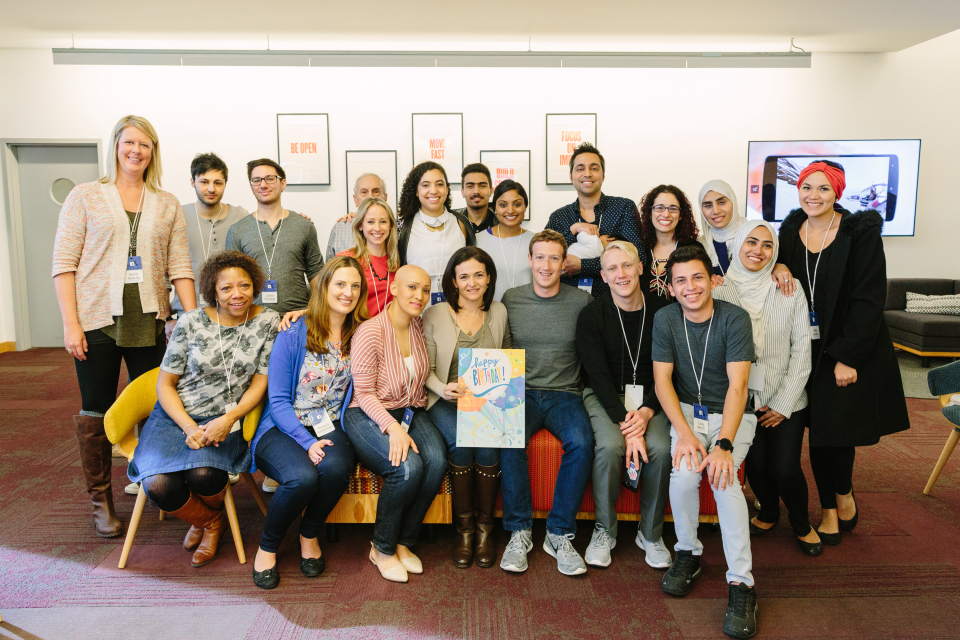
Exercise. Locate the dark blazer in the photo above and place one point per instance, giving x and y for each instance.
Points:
(404, 238)
(853, 331)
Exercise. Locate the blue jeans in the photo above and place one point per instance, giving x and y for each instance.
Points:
(444, 416)
(316, 487)
(408, 490)
(562, 413)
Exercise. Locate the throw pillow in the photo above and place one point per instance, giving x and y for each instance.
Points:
(947, 305)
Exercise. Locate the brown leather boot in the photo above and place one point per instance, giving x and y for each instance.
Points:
(488, 481)
(461, 480)
(211, 522)
(96, 458)
(195, 534)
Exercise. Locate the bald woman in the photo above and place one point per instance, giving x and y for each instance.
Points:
(388, 423)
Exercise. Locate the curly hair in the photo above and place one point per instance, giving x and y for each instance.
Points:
(686, 229)
(409, 201)
(222, 261)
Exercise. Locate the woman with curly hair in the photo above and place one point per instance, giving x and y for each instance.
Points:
(429, 231)
(213, 374)
(666, 222)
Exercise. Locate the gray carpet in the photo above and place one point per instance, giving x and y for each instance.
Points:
(914, 377)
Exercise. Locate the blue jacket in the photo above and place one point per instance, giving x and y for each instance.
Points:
(283, 375)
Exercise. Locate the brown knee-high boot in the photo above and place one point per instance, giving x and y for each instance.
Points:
(195, 534)
(96, 458)
(211, 522)
(488, 481)
(461, 480)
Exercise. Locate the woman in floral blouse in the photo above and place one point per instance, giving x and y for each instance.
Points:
(299, 442)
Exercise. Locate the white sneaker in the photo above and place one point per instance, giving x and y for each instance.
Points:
(234, 478)
(269, 485)
(515, 555)
(658, 556)
(132, 489)
(598, 553)
(569, 562)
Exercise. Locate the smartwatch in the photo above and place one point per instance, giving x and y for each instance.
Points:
(725, 444)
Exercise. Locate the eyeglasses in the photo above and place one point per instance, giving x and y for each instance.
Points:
(268, 179)
(659, 208)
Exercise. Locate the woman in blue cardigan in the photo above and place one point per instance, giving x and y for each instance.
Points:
(299, 442)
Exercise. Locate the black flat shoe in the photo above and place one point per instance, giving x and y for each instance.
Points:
(812, 549)
(832, 539)
(268, 579)
(312, 567)
(756, 531)
(848, 525)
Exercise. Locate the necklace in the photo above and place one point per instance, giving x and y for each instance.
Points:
(434, 229)
(483, 318)
(374, 271)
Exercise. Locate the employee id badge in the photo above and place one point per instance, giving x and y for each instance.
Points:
(631, 477)
(437, 298)
(633, 396)
(701, 420)
(407, 419)
(321, 422)
(236, 425)
(134, 270)
(585, 284)
(757, 375)
(270, 293)
(814, 326)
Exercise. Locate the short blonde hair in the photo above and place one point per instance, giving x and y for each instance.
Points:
(151, 176)
(360, 247)
(627, 247)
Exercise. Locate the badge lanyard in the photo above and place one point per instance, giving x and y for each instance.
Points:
(703, 366)
(376, 295)
(814, 322)
(276, 240)
(433, 250)
(321, 412)
(235, 349)
(636, 361)
(134, 272)
(516, 256)
(136, 221)
(210, 240)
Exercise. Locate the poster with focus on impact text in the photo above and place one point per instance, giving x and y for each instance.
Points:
(303, 141)
(438, 137)
(565, 132)
(491, 411)
(509, 165)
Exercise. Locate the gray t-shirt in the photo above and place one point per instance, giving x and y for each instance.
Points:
(297, 254)
(547, 329)
(205, 233)
(731, 340)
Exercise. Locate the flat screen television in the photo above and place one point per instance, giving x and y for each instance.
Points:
(881, 175)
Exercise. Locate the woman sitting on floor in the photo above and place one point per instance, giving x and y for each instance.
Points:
(300, 442)
(213, 374)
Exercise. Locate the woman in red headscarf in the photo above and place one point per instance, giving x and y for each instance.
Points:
(855, 389)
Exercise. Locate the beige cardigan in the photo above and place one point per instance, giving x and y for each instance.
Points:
(440, 334)
(93, 238)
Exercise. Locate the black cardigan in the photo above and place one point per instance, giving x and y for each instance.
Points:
(404, 238)
(853, 331)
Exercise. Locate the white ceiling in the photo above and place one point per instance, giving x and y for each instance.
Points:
(558, 25)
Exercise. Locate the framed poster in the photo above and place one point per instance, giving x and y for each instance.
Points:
(491, 411)
(439, 137)
(565, 131)
(303, 145)
(509, 165)
(382, 163)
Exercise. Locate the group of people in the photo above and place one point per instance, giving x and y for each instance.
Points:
(658, 345)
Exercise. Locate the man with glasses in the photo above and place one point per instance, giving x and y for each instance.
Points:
(476, 186)
(369, 185)
(609, 217)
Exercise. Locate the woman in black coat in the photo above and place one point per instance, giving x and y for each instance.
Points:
(856, 393)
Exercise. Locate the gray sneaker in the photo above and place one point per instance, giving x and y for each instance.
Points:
(657, 554)
(515, 555)
(598, 553)
(569, 562)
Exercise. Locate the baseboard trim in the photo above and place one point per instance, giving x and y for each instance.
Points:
(7, 346)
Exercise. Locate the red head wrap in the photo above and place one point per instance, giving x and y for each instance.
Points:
(835, 176)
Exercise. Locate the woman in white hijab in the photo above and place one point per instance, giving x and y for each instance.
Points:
(778, 379)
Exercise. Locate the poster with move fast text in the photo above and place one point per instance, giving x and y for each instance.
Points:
(438, 137)
(491, 412)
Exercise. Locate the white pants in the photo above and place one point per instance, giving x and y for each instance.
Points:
(731, 505)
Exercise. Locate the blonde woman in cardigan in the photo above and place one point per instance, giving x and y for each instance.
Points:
(118, 242)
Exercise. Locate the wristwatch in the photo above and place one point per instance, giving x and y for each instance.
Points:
(725, 444)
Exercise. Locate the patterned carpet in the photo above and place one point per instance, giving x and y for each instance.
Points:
(897, 576)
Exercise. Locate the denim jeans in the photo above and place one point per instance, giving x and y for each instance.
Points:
(444, 416)
(316, 487)
(562, 413)
(408, 490)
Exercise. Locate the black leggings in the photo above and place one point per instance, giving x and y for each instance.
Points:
(170, 491)
(774, 471)
(833, 473)
(99, 374)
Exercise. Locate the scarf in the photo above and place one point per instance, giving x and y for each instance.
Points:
(835, 177)
(752, 287)
(726, 234)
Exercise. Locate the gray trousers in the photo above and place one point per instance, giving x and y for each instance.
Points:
(731, 505)
(608, 464)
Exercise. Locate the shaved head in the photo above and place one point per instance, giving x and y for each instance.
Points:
(412, 273)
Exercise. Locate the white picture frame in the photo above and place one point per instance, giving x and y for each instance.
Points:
(509, 165)
(382, 163)
(565, 131)
(438, 137)
(303, 147)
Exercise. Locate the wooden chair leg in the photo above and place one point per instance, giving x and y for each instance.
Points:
(255, 490)
(333, 532)
(163, 515)
(132, 527)
(944, 456)
(231, 510)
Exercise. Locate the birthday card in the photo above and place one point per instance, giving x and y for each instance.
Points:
(491, 411)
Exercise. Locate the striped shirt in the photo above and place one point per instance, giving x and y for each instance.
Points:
(785, 352)
(380, 378)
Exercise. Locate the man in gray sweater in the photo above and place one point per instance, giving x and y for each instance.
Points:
(543, 320)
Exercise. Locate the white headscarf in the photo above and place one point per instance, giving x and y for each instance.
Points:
(726, 234)
(752, 287)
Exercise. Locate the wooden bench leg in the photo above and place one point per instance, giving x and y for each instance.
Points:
(944, 456)
(231, 509)
(255, 490)
(132, 527)
(333, 532)
(431, 531)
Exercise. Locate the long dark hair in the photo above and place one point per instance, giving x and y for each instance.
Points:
(318, 313)
(686, 229)
(461, 255)
(409, 202)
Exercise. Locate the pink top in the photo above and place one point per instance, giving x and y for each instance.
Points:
(378, 292)
(380, 378)
(93, 239)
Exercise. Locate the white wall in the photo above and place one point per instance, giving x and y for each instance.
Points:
(683, 126)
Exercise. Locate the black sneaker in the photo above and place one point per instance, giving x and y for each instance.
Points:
(741, 620)
(678, 580)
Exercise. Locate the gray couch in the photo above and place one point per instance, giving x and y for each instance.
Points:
(924, 334)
